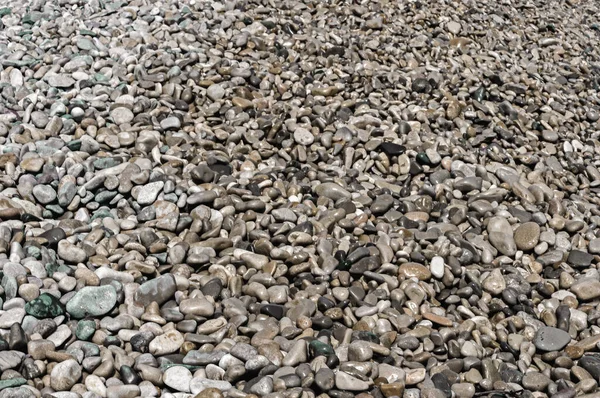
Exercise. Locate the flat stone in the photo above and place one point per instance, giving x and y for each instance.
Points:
(344, 381)
(578, 258)
(436, 267)
(199, 384)
(10, 360)
(359, 351)
(586, 289)
(503, 242)
(414, 270)
(391, 149)
(170, 123)
(325, 379)
(60, 81)
(453, 27)
(551, 339)
(536, 381)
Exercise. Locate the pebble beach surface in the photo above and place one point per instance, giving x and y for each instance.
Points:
(299, 199)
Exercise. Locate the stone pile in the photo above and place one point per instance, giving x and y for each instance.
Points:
(285, 199)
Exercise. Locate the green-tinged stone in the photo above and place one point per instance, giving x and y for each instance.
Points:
(85, 329)
(9, 383)
(3, 344)
(5, 11)
(31, 17)
(344, 265)
(102, 213)
(53, 267)
(86, 32)
(106, 163)
(45, 306)
(161, 257)
(74, 145)
(20, 63)
(171, 197)
(56, 209)
(90, 349)
(77, 102)
(35, 252)
(422, 158)
(318, 348)
(367, 336)
(105, 196)
(45, 150)
(92, 301)
(85, 44)
(10, 285)
(100, 78)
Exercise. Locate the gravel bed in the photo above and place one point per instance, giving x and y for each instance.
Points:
(299, 199)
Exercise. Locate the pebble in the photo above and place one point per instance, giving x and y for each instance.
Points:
(303, 137)
(178, 378)
(121, 115)
(551, 339)
(437, 267)
(92, 301)
(527, 236)
(65, 374)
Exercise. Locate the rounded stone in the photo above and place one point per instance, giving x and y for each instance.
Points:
(65, 374)
(178, 378)
(44, 194)
(92, 301)
(303, 137)
(121, 115)
(527, 236)
(551, 339)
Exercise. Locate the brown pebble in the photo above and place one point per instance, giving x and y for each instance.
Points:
(440, 320)
(211, 393)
